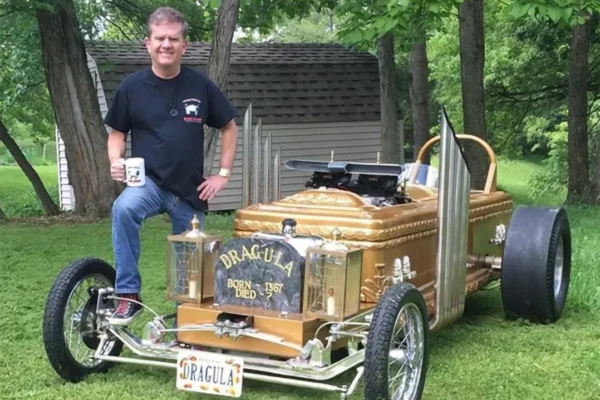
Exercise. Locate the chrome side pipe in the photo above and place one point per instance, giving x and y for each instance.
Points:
(246, 157)
(294, 382)
(255, 161)
(251, 164)
(267, 169)
(127, 360)
(277, 174)
(453, 226)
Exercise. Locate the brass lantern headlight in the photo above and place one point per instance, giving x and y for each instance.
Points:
(191, 259)
(332, 280)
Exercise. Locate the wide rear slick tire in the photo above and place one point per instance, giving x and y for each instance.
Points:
(401, 303)
(70, 363)
(536, 264)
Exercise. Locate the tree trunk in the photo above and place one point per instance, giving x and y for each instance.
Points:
(419, 94)
(218, 67)
(76, 110)
(472, 59)
(50, 208)
(387, 99)
(578, 106)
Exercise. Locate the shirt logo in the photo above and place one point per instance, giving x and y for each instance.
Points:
(192, 109)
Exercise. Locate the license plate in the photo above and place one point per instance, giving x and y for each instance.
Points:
(209, 373)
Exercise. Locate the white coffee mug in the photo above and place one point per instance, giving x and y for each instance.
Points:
(135, 172)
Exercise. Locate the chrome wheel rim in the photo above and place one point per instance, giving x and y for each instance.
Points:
(76, 323)
(559, 261)
(405, 359)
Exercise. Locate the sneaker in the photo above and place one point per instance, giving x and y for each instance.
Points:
(126, 310)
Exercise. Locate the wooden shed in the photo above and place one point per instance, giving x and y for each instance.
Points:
(312, 99)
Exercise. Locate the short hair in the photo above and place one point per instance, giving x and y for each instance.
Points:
(167, 14)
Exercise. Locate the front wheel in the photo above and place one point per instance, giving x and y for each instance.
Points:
(397, 351)
(71, 326)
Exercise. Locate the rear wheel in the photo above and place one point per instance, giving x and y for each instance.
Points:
(71, 330)
(536, 264)
(397, 350)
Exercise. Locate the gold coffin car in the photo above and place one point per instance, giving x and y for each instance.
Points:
(388, 233)
(399, 240)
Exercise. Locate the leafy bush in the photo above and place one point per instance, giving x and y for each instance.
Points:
(553, 178)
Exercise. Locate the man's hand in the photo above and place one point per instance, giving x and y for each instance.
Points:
(117, 170)
(211, 186)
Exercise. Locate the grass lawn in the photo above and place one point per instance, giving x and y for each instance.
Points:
(14, 182)
(481, 357)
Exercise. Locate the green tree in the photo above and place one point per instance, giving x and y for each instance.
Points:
(24, 98)
(526, 77)
(577, 15)
(261, 15)
(472, 62)
(218, 67)
(316, 27)
(126, 19)
(76, 109)
(377, 23)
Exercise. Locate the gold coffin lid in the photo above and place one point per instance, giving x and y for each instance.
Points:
(318, 212)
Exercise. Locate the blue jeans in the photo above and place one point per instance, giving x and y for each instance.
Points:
(132, 207)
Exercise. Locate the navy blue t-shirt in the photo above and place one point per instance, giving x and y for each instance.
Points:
(172, 146)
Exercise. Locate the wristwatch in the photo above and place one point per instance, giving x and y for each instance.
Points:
(224, 172)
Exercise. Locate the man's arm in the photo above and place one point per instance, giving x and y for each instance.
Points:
(116, 151)
(221, 114)
(228, 145)
(116, 145)
(118, 117)
(215, 183)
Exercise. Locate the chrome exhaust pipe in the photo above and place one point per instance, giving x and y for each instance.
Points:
(267, 170)
(255, 162)
(251, 167)
(453, 226)
(246, 157)
(277, 174)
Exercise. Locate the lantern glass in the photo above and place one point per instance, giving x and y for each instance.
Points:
(332, 283)
(190, 267)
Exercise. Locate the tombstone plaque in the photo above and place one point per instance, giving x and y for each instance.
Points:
(260, 273)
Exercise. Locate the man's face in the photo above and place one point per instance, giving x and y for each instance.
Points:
(166, 45)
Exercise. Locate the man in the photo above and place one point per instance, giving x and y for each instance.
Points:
(164, 108)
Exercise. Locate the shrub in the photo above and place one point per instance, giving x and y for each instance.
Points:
(554, 178)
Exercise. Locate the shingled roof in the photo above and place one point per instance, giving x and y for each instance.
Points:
(286, 83)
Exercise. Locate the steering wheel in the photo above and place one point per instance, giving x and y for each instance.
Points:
(490, 183)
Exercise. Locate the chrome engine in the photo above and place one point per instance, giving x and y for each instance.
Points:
(377, 190)
(377, 184)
